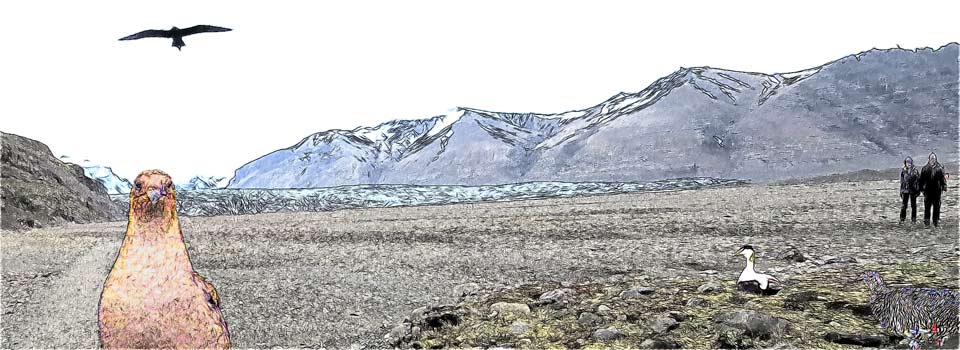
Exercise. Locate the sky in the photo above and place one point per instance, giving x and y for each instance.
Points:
(289, 69)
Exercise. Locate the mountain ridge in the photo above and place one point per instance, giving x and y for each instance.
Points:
(708, 115)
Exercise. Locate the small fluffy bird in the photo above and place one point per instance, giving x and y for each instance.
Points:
(753, 282)
(922, 314)
(152, 297)
(176, 34)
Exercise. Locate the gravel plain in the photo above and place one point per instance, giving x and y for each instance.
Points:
(342, 278)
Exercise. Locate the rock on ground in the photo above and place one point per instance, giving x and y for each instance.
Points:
(712, 287)
(636, 292)
(660, 344)
(662, 323)
(607, 334)
(753, 323)
(589, 319)
(514, 308)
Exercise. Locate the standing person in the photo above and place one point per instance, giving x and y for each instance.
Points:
(932, 184)
(909, 189)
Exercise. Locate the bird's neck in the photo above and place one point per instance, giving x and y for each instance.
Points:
(166, 228)
(163, 225)
(155, 242)
(750, 265)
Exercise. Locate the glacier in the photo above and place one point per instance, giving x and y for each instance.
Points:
(202, 183)
(213, 202)
(103, 174)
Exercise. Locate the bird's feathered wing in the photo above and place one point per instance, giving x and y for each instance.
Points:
(910, 310)
(151, 33)
(203, 28)
(773, 283)
(208, 289)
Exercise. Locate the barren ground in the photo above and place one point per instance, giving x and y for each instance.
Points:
(338, 278)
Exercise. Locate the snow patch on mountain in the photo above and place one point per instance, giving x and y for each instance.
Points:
(203, 183)
(570, 115)
(375, 134)
(103, 174)
(800, 75)
(446, 120)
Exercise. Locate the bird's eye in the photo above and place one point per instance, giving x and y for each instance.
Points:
(138, 186)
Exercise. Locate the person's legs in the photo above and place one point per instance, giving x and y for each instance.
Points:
(904, 197)
(913, 207)
(936, 210)
(927, 202)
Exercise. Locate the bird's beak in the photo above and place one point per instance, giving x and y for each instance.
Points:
(155, 195)
(738, 252)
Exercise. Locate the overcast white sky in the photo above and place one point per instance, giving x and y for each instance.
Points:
(292, 68)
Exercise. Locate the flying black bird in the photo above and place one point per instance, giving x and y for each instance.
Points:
(719, 140)
(176, 33)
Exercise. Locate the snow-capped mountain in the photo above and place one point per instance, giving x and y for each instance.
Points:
(352, 156)
(203, 183)
(104, 174)
(863, 111)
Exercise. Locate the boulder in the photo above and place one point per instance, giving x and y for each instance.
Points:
(864, 340)
(512, 308)
(753, 323)
(607, 334)
(589, 319)
(466, 289)
(662, 324)
(636, 292)
(519, 327)
(712, 287)
(660, 344)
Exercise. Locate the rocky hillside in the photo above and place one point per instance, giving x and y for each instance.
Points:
(862, 111)
(39, 190)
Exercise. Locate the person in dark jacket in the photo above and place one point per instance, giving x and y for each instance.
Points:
(932, 184)
(909, 189)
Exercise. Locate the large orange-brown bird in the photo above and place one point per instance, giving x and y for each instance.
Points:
(152, 297)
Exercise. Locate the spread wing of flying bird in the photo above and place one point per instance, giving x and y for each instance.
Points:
(203, 28)
(150, 33)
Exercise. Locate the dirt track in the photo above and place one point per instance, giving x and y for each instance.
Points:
(334, 279)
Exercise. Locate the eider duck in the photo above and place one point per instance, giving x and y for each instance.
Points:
(924, 315)
(753, 282)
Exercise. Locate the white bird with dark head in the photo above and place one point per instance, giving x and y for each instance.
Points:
(719, 140)
(752, 281)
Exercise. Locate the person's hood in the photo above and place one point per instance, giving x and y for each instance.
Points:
(936, 161)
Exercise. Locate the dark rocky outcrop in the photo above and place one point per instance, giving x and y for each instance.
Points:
(861, 339)
(41, 191)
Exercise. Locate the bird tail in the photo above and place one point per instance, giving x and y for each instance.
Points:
(178, 43)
